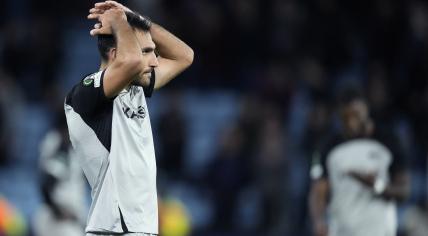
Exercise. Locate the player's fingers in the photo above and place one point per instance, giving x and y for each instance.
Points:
(113, 3)
(94, 16)
(119, 5)
(100, 29)
(100, 4)
(96, 11)
(95, 32)
(103, 5)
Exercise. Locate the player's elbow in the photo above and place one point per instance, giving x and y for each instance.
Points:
(188, 57)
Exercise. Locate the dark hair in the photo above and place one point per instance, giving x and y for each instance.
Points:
(108, 41)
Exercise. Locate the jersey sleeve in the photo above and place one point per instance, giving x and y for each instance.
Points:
(319, 166)
(148, 90)
(88, 97)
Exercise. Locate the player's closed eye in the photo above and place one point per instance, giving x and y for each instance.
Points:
(147, 50)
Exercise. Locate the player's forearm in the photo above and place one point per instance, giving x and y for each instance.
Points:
(317, 205)
(128, 51)
(317, 210)
(399, 193)
(171, 47)
(398, 189)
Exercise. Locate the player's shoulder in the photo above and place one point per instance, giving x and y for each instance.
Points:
(92, 79)
(88, 81)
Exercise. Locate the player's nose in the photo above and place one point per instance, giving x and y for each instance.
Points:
(154, 62)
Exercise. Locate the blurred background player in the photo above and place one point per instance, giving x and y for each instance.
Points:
(358, 177)
(62, 185)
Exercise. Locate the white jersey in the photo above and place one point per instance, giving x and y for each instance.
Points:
(354, 209)
(114, 143)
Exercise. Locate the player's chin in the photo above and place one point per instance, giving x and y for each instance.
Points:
(142, 76)
(147, 75)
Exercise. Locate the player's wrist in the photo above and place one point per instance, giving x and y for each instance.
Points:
(118, 22)
(120, 25)
(143, 18)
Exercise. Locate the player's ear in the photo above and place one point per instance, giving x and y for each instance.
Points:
(112, 53)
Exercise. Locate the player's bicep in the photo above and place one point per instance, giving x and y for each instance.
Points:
(320, 189)
(167, 70)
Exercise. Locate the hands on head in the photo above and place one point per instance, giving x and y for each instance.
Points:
(108, 14)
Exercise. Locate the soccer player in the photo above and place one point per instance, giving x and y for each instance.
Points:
(109, 123)
(357, 178)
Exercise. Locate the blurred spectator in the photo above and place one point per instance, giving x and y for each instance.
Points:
(10, 93)
(172, 137)
(226, 177)
(270, 168)
(249, 120)
(277, 85)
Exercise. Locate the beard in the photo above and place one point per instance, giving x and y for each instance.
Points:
(142, 77)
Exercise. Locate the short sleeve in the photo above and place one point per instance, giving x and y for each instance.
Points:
(148, 90)
(319, 167)
(87, 97)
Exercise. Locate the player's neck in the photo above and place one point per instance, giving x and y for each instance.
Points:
(103, 65)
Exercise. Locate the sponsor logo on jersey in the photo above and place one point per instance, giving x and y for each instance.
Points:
(139, 113)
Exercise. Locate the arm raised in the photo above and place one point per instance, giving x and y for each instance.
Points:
(174, 55)
(124, 62)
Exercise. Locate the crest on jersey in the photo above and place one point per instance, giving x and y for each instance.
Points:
(88, 81)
